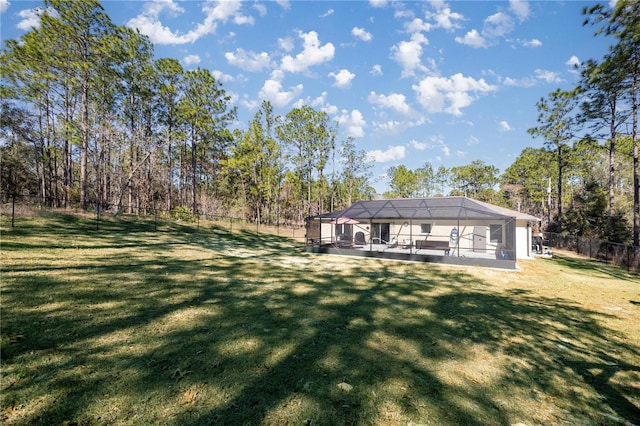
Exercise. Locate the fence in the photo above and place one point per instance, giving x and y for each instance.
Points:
(104, 218)
(611, 253)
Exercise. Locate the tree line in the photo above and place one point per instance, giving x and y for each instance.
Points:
(90, 117)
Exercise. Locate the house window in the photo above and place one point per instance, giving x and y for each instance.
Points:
(425, 228)
(345, 229)
(495, 232)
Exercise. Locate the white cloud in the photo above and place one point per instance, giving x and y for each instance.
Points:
(391, 126)
(343, 78)
(497, 25)
(534, 42)
(362, 34)
(395, 101)
(573, 61)
(327, 13)
(520, 8)
(376, 70)
(419, 146)
(251, 105)
(443, 16)
(547, 76)
(312, 54)
(450, 95)
(285, 4)
(472, 141)
(417, 25)
(261, 8)
(191, 60)
(409, 54)
(31, 17)
(353, 121)
(321, 103)
(377, 3)
(4, 5)
(472, 39)
(272, 91)
(220, 76)
(286, 44)
(156, 7)
(393, 153)
(219, 11)
(504, 127)
(249, 61)
(520, 82)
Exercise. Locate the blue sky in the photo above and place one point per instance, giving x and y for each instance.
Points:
(413, 82)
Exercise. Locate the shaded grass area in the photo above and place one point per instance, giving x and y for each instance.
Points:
(145, 322)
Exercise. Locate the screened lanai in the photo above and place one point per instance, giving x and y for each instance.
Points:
(456, 230)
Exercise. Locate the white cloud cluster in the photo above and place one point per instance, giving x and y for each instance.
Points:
(418, 146)
(409, 54)
(273, 91)
(353, 122)
(249, 61)
(574, 61)
(327, 13)
(472, 39)
(4, 5)
(392, 153)
(539, 76)
(534, 42)
(520, 8)
(395, 101)
(362, 34)
(378, 3)
(343, 78)
(547, 76)
(498, 25)
(312, 54)
(505, 127)
(149, 23)
(450, 95)
(443, 17)
(30, 18)
(191, 60)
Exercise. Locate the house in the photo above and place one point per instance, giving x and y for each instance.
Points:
(443, 229)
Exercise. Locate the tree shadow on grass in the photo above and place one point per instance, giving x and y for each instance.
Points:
(273, 336)
(588, 267)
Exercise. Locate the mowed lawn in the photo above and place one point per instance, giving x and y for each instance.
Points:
(184, 324)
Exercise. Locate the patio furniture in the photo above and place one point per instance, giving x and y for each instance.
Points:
(434, 245)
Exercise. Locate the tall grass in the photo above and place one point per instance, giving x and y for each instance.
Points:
(142, 322)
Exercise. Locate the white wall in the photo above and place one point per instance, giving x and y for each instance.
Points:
(440, 231)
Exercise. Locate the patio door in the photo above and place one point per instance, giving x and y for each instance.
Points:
(480, 239)
(380, 233)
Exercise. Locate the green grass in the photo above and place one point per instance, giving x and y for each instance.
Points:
(144, 322)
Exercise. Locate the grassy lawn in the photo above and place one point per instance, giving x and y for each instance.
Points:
(145, 323)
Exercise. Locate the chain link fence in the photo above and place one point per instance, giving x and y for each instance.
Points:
(622, 255)
(106, 217)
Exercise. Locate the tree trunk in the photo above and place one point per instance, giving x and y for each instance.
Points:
(85, 143)
(560, 169)
(636, 183)
(194, 206)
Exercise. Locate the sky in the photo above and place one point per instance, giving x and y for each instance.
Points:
(443, 82)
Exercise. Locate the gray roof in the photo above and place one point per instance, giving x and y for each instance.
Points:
(461, 208)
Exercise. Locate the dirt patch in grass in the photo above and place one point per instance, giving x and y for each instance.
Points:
(197, 325)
